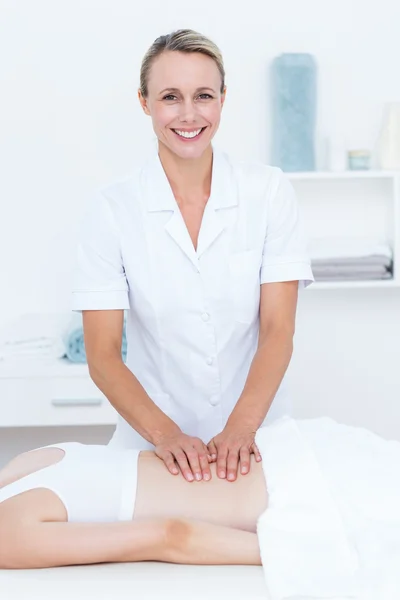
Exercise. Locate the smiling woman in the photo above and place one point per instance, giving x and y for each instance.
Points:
(180, 109)
(207, 254)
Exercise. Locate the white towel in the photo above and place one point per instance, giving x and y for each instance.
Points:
(350, 273)
(354, 277)
(372, 261)
(347, 248)
(34, 334)
(332, 527)
(326, 270)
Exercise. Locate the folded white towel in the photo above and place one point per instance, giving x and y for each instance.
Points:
(354, 277)
(372, 261)
(349, 270)
(34, 334)
(344, 247)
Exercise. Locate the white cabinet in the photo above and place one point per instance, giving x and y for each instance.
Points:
(359, 204)
(49, 393)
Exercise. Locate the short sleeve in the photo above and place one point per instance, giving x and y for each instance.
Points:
(99, 281)
(285, 255)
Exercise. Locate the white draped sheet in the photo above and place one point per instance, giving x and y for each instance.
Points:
(332, 527)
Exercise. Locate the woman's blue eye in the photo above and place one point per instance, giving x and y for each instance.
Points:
(172, 97)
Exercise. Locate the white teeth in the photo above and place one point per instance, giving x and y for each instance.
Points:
(188, 134)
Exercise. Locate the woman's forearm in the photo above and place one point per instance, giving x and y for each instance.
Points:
(130, 400)
(265, 376)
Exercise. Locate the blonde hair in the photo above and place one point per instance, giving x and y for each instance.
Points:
(182, 40)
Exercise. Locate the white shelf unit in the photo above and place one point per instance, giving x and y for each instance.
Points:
(46, 392)
(352, 204)
(367, 174)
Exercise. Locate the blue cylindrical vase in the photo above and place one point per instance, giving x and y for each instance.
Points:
(294, 103)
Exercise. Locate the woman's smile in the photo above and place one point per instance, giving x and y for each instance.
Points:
(189, 135)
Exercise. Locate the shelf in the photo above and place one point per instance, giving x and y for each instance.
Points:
(41, 367)
(355, 205)
(309, 175)
(346, 285)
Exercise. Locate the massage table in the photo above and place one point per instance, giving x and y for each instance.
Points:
(135, 581)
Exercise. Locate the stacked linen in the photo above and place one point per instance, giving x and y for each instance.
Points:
(34, 335)
(332, 526)
(54, 336)
(350, 259)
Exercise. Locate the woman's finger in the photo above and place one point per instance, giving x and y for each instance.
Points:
(205, 464)
(244, 454)
(194, 462)
(206, 452)
(232, 464)
(222, 461)
(169, 462)
(212, 450)
(256, 452)
(181, 459)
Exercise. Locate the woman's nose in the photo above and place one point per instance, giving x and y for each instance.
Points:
(187, 111)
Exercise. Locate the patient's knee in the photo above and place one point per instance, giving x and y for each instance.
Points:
(177, 534)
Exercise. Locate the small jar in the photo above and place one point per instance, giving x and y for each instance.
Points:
(358, 160)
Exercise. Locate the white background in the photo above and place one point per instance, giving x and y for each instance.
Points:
(70, 122)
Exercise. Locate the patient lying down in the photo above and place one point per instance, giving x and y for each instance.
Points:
(331, 517)
(72, 504)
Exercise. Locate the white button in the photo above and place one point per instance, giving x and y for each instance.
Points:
(205, 316)
(214, 400)
(209, 360)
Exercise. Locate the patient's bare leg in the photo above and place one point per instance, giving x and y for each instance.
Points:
(197, 542)
(35, 534)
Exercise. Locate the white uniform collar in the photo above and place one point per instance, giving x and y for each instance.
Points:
(159, 196)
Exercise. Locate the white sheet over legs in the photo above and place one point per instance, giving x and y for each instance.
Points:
(332, 527)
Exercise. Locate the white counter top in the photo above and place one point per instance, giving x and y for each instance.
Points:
(41, 367)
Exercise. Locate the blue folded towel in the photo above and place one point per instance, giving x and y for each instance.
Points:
(293, 112)
(74, 342)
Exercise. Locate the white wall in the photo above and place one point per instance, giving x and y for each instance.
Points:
(70, 122)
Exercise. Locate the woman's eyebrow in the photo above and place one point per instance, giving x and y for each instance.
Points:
(177, 90)
(205, 88)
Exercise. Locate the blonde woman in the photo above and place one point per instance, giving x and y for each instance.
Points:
(206, 254)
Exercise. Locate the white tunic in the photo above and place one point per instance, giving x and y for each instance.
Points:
(193, 323)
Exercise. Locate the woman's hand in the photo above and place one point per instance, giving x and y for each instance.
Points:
(231, 446)
(190, 453)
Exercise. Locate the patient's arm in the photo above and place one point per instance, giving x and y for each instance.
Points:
(29, 462)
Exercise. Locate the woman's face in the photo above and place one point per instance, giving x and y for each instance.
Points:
(184, 101)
